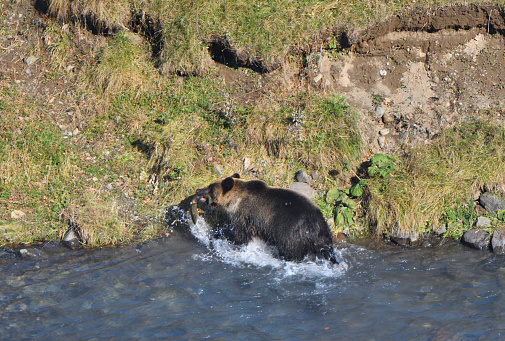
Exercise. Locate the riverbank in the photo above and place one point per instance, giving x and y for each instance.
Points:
(108, 118)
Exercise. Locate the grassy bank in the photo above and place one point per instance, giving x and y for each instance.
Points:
(112, 125)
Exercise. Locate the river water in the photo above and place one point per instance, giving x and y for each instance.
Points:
(187, 288)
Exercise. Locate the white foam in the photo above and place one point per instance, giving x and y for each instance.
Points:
(257, 253)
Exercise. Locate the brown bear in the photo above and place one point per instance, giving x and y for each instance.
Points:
(280, 217)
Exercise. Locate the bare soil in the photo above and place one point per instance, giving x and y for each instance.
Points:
(427, 69)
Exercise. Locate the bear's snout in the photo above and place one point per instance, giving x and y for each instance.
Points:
(202, 194)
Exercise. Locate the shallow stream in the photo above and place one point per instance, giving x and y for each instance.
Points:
(186, 288)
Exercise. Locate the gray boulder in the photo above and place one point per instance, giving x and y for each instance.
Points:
(476, 238)
(498, 242)
(302, 176)
(304, 189)
(492, 203)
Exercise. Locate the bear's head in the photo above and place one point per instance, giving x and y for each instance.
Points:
(216, 192)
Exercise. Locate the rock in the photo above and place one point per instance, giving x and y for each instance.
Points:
(382, 141)
(492, 203)
(304, 189)
(498, 242)
(388, 118)
(30, 253)
(71, 239)
(379, 112)
(218, 169)
(7, 254)
(482, 222)
(314, 175)
(383, 132)
(439, 230)
(30, 60)
(302, 176)
(405, 240)
(17, 214)
(476, 238)
(108, 187)
(339, 238)
(318, 78)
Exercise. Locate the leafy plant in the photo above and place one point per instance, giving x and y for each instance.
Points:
(459, 219)
(381, 165)
(345, 204)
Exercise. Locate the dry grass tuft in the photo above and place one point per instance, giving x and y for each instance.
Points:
(124, 65)
(432, 179)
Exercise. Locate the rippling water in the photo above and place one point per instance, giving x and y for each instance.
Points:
(184, 288)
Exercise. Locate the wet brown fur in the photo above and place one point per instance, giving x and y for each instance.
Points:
(280, 217)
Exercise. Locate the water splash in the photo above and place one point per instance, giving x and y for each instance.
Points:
(258, 254)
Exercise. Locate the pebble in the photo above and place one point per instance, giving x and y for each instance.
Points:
(382, 141)
(302, 176)
(388, 118)
(108, 187)
(17, 214)
(30, 60)
(218, 169)
(314, 175)
(383, 132)
(482, 222)
(379, 112)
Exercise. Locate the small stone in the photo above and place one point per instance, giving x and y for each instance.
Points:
(314, 175)
(218, 169)
(439, 230)
(304, 189)
(302, 176)
(383, 73)
(436, 79)
(388, 118)
(75, 131)
(477, 239)
(382, 141)
(383, 132)
(318, 78)
(29, 70)
(17, 214)
(30, 60)
(247, 163)
(31, 253)
(482, 222)
(108, 187)
(143, 176)
(95, 179)
(379, 112)
(71, 239)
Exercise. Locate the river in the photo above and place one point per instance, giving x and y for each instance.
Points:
(192, 288)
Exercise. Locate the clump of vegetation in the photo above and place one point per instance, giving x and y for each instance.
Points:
(430, 181)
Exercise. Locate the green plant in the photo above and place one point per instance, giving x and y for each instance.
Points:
(459, 219)
(344, 200)
(381, 165)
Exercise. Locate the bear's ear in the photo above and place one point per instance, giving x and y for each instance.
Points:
(236, 176)
(227, 184)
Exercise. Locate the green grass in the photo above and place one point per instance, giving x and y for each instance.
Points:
(431, 180)
(148, 137)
